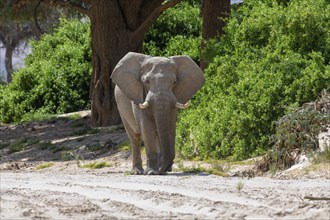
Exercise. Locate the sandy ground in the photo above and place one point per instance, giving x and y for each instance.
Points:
(68, 191)
(49, 195)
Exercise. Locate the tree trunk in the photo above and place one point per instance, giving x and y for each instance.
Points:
(117, 27)
(9, 62)
(214, 12)
(110, 42)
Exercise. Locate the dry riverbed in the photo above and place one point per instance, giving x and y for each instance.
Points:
(46, 174)
(107, 195)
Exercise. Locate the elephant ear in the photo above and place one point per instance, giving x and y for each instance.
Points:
(127, 76)
(190, 78)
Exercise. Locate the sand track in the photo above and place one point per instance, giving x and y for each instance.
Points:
(68, 191)
(56, 195)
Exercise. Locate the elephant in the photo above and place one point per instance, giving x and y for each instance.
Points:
(149, 91)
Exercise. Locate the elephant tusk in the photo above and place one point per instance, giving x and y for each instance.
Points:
(182, 106)
(145, 104)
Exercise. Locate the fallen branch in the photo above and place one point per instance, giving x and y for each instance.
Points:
(316, 198)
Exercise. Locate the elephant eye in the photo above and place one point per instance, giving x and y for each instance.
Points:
(146, 81)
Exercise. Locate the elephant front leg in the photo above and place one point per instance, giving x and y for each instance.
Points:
(137, 168)
(135, 141)
(152, 159)
(148, 131)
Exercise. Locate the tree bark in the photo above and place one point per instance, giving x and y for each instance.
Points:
(11, 34)
(8, 62)
(108, 36)
(117, 27)
(213, 12)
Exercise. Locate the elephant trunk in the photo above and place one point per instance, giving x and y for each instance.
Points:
(165, 117)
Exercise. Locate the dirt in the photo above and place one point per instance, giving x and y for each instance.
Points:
(66, 190)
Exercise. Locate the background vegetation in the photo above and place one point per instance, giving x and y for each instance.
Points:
(177, 31)
(274, 56)
(56, 77)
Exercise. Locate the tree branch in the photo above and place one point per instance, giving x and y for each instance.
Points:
(35, 17)
(71, 5)
(88, 2)
(316, 198)
(138, 34)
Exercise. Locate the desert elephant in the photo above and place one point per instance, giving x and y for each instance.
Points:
(149, 90)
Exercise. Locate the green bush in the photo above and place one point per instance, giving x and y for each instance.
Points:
(274, 56)
(176, 32)
(56, 77)
(296, 132)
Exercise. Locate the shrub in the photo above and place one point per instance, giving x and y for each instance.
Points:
(297, 133)
(258, 71)
(56, 77)
(176, 32)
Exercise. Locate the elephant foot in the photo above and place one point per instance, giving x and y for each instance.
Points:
(136, 171)
(160, 172)
(150, 171)
(165, 169)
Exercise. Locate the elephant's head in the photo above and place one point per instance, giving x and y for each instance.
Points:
(159, 86)
(142, 78)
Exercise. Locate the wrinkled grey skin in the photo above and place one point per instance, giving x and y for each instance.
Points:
(162, 82)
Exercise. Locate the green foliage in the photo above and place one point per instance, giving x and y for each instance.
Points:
(66, 155)
(2, 81)
(124, 146)
(37, 116)
(97, 165)
(240, 185)
(56, 77)
(95, 147)
(19, 145)
(55, 148)
(45, 145)
(176, 32)
(4, 145)
(44, 165)
(85, 130)
(70, 155)
(273, 57)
